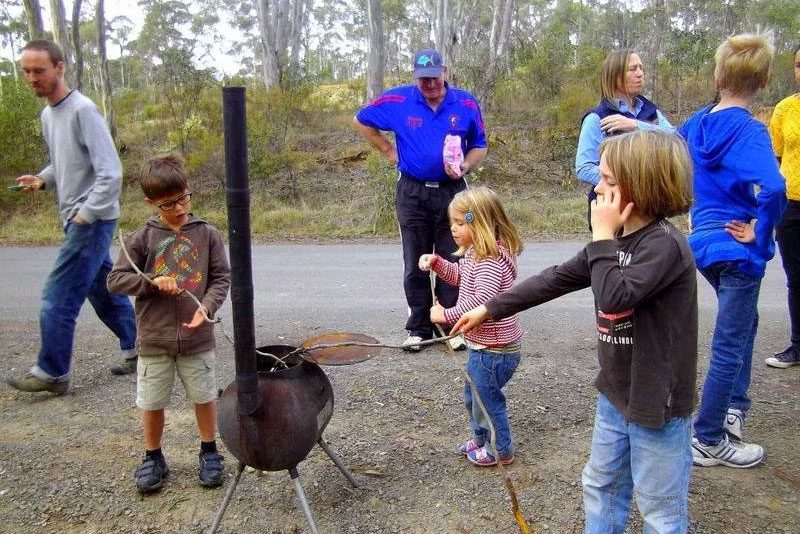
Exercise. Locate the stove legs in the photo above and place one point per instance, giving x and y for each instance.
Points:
(302, 496)
(348, 475)
(297, 487)
(227, 499)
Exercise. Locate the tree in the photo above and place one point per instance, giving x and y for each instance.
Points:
(161, 32)
(76, 43)
(376, 56)
(281, 24)
(12, 30)
(120, 28)
(267, 29)
(33, 12)
(58, 24)
(105, 78)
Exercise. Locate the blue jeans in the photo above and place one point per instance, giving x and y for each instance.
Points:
(728, 376)
(80, 272)
(490, 371)
(627, 458)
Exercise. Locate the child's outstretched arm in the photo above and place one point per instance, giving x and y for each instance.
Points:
(470, 320)
(446, 270)
(551, 283)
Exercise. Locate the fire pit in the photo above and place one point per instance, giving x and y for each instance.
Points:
(271, 416)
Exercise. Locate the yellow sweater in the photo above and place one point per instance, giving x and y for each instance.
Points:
(784, 128)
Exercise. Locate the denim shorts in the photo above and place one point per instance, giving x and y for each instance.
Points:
(156, 376)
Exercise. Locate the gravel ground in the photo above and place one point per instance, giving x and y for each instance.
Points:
(66, 463)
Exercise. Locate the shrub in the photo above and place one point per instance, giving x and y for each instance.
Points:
(22, 148)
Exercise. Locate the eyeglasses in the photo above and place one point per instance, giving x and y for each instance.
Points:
(170, 204)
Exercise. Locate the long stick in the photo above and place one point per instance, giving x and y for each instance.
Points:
(180, 291)
(523, 525)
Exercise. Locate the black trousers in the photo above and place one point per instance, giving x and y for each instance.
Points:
(424, 229)
(788, 237)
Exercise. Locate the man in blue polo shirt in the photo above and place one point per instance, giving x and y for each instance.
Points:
(421, 116)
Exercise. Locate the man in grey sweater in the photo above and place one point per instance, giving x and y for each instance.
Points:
(86, 174)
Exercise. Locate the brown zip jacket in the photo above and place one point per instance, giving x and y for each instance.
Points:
(195, 257)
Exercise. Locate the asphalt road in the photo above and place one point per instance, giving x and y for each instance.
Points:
(305, 290)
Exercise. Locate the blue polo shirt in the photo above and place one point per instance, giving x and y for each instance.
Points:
(420, 132)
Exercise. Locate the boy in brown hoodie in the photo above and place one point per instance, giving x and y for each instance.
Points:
(180, 253)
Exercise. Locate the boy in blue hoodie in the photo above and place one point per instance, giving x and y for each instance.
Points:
(731, 238)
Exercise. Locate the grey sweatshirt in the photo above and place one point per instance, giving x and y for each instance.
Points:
(84, 166)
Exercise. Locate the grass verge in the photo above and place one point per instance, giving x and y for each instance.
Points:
(32, 219)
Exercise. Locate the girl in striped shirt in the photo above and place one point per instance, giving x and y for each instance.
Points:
(489, 243)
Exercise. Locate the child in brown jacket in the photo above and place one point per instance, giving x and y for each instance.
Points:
(180, 253)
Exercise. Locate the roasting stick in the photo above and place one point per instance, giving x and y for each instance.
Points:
(523, 525)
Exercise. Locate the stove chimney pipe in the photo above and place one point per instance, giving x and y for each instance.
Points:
(237, 188)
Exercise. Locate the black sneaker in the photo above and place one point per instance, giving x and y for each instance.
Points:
(211, 469)
(787, 358)
(151, 474)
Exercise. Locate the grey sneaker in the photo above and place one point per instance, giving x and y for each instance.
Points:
(787, 358)
(125, 366)
(33, 384)
(734, 424)
(726, 453)
(411, 344)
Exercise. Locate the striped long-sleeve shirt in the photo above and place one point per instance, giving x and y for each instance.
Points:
(478, 281)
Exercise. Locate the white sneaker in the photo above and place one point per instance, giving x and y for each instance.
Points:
(457, 343)
(412, 344)
(734, 424)
(726, 453)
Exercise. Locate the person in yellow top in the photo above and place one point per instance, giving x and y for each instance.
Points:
(784, 128)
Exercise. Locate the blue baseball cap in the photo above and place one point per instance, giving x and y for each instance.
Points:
(427, 63)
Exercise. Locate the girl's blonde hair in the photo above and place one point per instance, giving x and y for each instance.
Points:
(743, 63)
(489, 223)
(653, 169)
(612, 73)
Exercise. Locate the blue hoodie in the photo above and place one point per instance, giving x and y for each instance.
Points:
(732, 153)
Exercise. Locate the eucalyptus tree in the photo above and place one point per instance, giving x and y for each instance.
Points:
(105, 77)
(76, 43)
(281, 24)
(33, 13)
(58, 25)
(119, 31)
(376, 57)
(12, 31)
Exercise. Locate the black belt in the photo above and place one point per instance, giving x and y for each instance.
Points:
(431, 183)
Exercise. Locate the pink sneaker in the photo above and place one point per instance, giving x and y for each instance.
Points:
(483, 458)
(468, 447)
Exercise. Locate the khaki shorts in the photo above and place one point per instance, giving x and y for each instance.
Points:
(156, 376)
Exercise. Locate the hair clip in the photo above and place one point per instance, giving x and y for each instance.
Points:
(469, 217)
